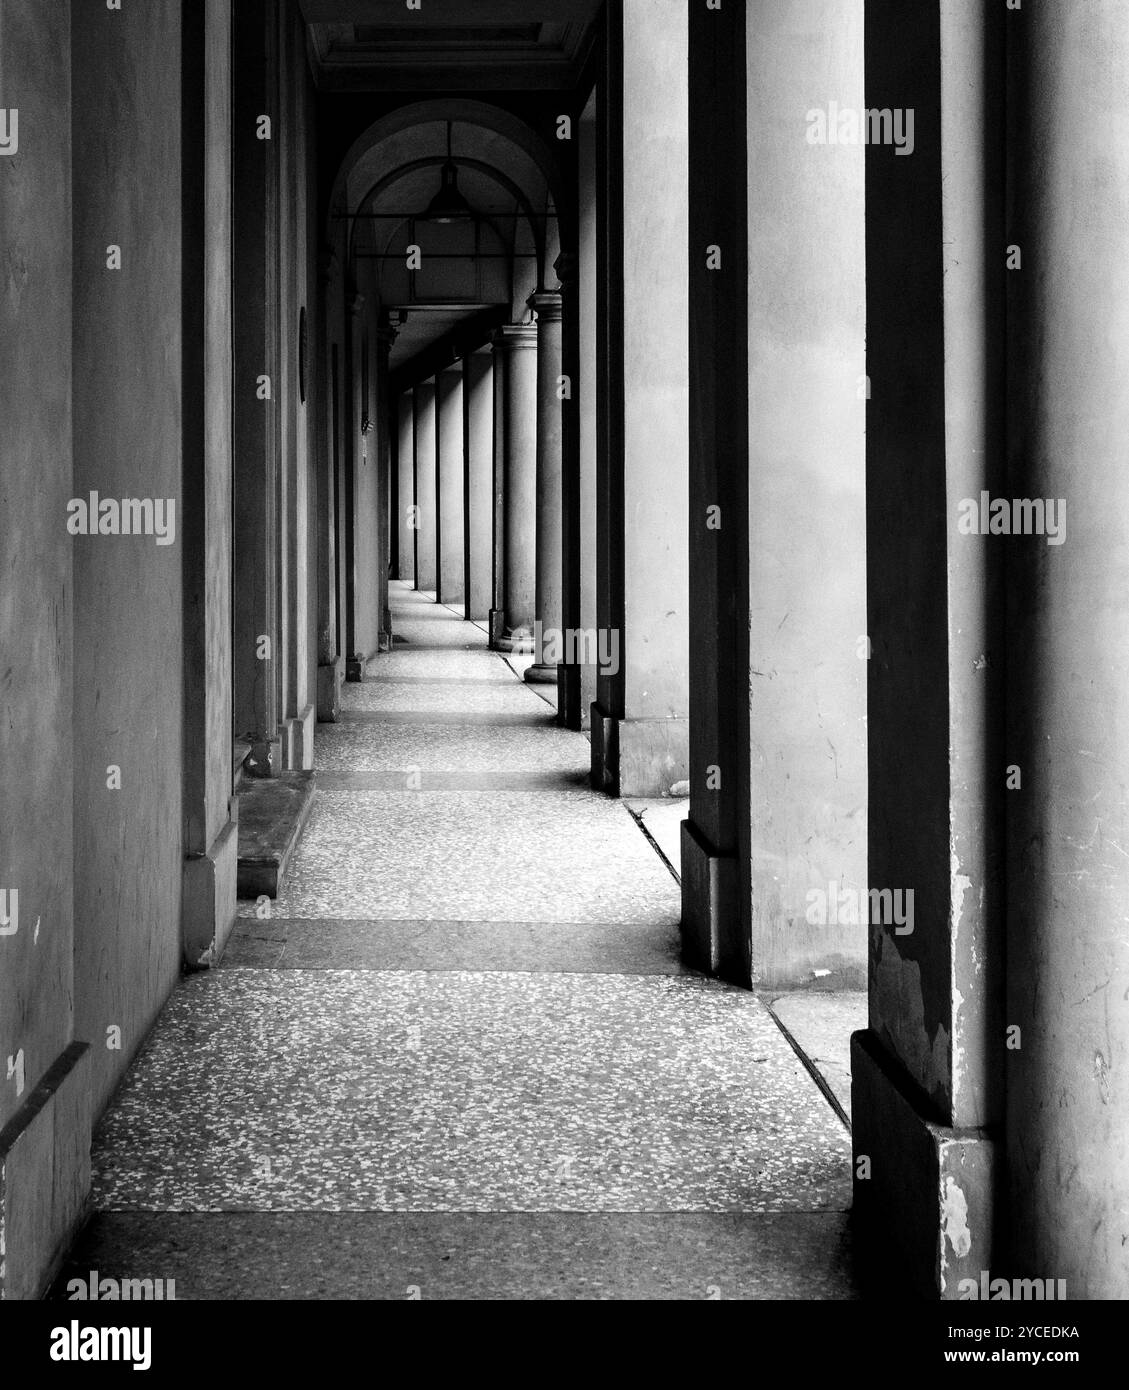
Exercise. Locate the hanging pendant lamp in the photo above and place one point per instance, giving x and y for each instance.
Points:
(448, 205)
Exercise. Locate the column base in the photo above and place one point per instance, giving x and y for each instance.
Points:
(208, 896)
(570, 707)
(330, 676)
(518, 640)
(264, 759)
(497, 628)
(924, 1218)
(355, 667)
(605, 751)
(640, 757)
(587, 694)
(711, 910)
(299, 736)
(541, 674)
(45, 1176)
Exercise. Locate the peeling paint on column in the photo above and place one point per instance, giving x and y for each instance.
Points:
(1101, 1071)
(927, 1059)
(959, 887)
(954, 1222)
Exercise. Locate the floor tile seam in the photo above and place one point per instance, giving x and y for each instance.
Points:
(637, 821)
(810, 1066)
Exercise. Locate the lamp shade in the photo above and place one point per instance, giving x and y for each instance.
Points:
(448, 205)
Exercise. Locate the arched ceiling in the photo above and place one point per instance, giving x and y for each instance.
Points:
(479, 131)
(392, 173)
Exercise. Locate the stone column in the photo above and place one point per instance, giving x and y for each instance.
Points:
(639, 723)
(424, 439)
(361, 643)
(405, 462)
(385, 421)
(498, 545)
(548, 608)
(331, 664)
(517, 344)
(778, 783)
(208, 890)
(927, 1072)
(1068, 626)
(449, 484)
(578, 647)
(255, 414)
(282, 385)
(586, 396)
(478, 482)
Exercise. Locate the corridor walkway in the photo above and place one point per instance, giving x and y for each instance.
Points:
(461, 1059)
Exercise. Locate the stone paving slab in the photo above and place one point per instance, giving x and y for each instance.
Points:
(461, 1091)
(561, 856)
(485, 695)
(376, 746)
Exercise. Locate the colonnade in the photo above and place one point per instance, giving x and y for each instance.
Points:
(799, 375)
(479, 465)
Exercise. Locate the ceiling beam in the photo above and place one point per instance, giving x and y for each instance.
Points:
(553, 77)
(433, 12)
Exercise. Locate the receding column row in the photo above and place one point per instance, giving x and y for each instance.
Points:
(478, 482)
(468, 485)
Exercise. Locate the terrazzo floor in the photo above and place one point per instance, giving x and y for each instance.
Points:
(461, 1056)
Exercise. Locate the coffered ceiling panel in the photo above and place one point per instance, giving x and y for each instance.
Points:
(451, 45)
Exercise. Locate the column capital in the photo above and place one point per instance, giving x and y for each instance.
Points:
(547, 305)
(512, 336)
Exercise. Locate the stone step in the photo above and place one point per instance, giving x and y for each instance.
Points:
(272, 813)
